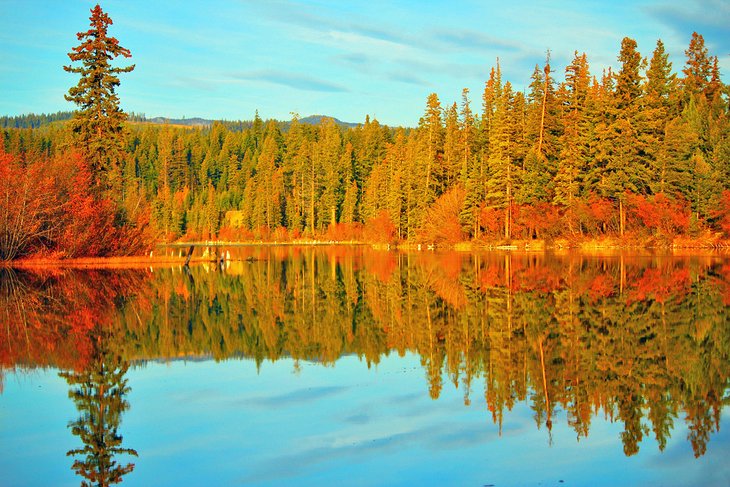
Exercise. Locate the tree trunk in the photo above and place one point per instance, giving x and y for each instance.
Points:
(621, 217)
(544, 103)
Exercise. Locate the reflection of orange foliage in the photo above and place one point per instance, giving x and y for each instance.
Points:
(329, 301)
(442, 273)
(601, 286)
(452, 263)
(381, 264)
(182, 290)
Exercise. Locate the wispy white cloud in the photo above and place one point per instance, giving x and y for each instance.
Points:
(471, 39)
(711, 18)
(289, 79)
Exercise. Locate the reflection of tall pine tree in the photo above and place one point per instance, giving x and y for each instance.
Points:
(98, 393)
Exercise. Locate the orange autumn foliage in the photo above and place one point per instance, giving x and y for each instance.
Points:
(722, 213)
(442, 224)
(380, 229)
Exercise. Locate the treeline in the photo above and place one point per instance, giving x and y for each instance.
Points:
(643, 342)
(32, 120)
(641, 152)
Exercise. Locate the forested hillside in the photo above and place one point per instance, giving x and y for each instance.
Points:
(639, 153)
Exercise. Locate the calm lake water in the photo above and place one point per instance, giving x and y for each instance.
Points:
(332, 366)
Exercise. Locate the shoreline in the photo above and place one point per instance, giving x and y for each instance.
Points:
(588, 247)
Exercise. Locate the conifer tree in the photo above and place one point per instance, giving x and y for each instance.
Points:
(470, 177)
(452, 146)
(269, 186)
(624, 170)
(328, 181)
(698, 69)
(432, 131)
(572, 156)
(500, 178)
(349, 203)
(655, 114)
(98, 125)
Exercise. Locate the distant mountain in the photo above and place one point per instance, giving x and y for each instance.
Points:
(238, 125)
(191, 122)
(317, 119)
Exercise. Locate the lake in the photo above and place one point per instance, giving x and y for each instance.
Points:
(344, 365)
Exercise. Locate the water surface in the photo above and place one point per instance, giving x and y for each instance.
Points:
(330, 365)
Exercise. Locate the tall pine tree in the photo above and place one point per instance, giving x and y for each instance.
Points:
(99, 123)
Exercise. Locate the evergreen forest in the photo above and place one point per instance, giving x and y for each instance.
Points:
(639, 155)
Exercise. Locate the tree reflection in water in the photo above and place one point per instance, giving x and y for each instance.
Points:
(99, 391)
(642, 340)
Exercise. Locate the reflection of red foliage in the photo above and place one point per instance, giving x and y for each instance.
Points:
(723, 281)
(491, 276)
(661, 284)
(49, 317)
(602, 286)
(536, 278)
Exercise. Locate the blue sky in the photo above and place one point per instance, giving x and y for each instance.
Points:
(227, 59)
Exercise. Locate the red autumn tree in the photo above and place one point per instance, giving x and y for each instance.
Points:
(89, 228)
(28, 207)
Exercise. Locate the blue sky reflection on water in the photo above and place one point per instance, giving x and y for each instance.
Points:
(225, 423)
